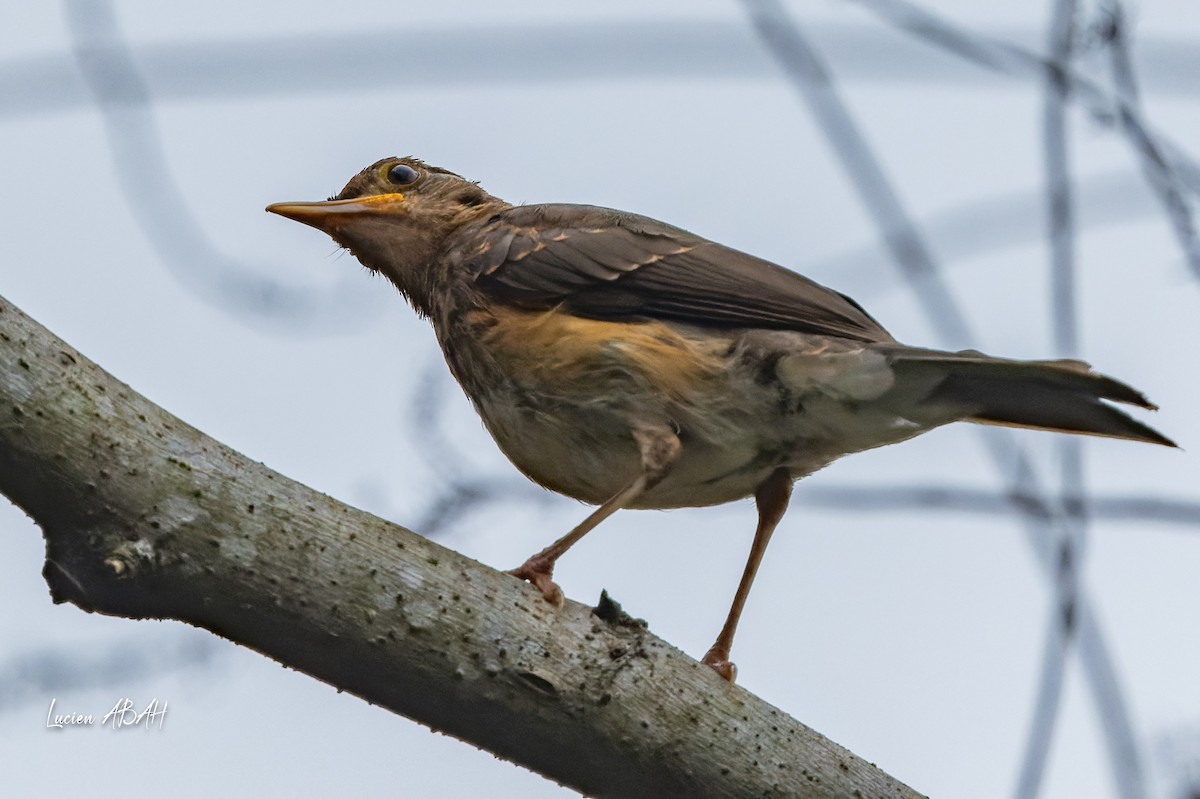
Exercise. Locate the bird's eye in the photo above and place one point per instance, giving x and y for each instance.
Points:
(402, 175)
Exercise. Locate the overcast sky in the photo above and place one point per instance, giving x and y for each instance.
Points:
(912, 636)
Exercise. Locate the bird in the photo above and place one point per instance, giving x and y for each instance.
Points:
(628, 363)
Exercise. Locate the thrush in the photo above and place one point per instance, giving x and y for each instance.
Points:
(631, 364)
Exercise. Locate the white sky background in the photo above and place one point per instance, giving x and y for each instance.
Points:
(912, 638)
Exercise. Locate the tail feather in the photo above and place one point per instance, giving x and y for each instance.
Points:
(1065, 396)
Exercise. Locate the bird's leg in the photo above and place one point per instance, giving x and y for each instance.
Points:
(772, 499)
(659, 448)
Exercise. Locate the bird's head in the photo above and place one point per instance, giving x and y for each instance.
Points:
(395, 217)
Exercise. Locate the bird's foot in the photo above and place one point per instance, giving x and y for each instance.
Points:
(539, 572)
(718, 660)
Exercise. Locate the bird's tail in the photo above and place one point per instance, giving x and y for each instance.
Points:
(1065, 396)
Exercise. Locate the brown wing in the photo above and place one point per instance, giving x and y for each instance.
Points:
(604, 264)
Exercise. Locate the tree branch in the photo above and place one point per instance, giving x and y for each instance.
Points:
(146, 517)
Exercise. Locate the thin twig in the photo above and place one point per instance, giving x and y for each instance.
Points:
(1160, 173)
(1061, 232)
(892, 499)
(1061, 623)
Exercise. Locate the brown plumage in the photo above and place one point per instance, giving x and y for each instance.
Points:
(629, 363)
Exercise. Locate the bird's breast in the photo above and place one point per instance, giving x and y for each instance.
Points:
(561, 394)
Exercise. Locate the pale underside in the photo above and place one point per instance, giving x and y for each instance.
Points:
(742, 403)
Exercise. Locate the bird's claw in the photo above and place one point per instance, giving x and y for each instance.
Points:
(539, 575)
(718, 660)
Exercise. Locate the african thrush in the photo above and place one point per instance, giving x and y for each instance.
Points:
(631, 364)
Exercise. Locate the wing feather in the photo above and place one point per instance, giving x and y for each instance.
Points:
(604, 264)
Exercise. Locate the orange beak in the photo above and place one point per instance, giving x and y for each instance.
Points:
(330, 214)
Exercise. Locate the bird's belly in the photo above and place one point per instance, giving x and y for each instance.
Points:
(704, 476)
(585, 454)
(590, 454)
